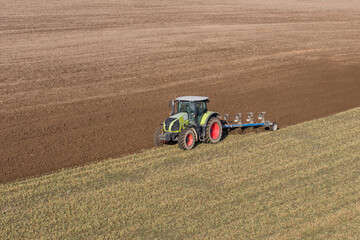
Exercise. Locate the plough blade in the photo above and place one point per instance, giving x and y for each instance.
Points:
(250, 117)
(262, 117)
(238, 118)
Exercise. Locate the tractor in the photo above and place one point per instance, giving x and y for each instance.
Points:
(190, 121)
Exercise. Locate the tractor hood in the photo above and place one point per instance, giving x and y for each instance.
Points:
(175, 123)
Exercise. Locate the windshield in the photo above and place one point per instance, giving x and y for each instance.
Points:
(192, 108)
(188, 107)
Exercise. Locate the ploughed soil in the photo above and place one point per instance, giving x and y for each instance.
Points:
(83, 81)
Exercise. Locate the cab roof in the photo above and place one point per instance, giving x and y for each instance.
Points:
(192, 98)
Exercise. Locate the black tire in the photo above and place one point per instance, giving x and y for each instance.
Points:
(157, 141)
(274, 127)
(213, 132)
(186, 139)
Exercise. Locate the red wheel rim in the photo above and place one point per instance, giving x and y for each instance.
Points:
(189, 140)
(214, 131)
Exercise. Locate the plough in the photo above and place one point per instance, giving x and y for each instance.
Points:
(250, 119)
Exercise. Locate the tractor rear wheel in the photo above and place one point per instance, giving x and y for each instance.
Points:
(157, 141)
(213, 131)
(186, 139)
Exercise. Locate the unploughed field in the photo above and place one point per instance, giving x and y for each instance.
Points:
(301, 182)
(83, 81)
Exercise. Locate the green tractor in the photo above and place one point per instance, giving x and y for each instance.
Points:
(190, 121)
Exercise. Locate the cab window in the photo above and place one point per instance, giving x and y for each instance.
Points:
(201, 109)
(188, 107)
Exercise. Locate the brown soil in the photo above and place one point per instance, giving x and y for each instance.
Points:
(83, 81)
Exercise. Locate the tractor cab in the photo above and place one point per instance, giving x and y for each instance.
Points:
(193, 106)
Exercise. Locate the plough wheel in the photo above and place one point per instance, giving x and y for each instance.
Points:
(274, 127)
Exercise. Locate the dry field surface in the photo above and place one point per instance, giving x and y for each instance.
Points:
(83, 81)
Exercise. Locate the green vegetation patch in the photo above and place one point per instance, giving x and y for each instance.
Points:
(299, 182)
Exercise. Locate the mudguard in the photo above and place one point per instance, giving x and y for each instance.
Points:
(205, 118)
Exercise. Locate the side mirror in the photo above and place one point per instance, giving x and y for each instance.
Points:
(172, 105)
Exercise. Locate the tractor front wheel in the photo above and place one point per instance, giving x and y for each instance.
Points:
(213, 131)
(157, 141)
(186, 139)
